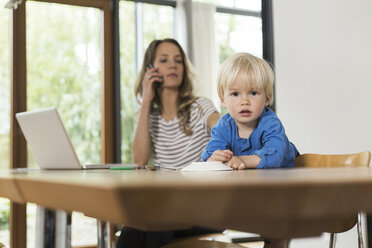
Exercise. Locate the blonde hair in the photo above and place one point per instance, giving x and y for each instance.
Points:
(186, 96)
(256, 71)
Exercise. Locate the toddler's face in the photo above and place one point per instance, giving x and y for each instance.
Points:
(244, 102)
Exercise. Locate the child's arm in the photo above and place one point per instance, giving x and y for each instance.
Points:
(275, 145)
(221, 156)
(244, 162)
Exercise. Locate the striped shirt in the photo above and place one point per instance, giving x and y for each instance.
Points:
(173, 148)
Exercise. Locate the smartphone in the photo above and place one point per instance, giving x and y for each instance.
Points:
(150, 66)
(157, 83)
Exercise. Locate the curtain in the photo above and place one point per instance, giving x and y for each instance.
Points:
(204, 52)
(181, 27)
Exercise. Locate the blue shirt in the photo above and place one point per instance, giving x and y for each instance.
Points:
(268, 140)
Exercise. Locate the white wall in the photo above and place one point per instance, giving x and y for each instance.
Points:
(323, 64)
(323, 60)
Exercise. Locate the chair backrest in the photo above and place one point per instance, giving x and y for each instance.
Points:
(361, 159)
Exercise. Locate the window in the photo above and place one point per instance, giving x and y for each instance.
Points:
(4, 117)
(64, 70)
(137, 20)
(162, 27)
(4, 221)
(238, 26)
(238, 33)
(4, 88)
(253, 5)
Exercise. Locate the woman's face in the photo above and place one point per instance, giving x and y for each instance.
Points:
(169, 62)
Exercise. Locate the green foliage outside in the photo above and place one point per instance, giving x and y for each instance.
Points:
(4, 109)
(4, 88)
(127, 75)
(4, 151)
(64, 70)
(224, 30)
(4, 214)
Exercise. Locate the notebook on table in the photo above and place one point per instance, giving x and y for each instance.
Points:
(207, 166)
(49, 141)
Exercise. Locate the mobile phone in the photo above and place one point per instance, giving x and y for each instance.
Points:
(157, 83)
(150, 66)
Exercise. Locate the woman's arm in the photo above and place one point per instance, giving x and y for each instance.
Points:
(212, 120)
(218, 141)
(142, 146)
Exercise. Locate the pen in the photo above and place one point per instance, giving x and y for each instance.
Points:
(122, 168)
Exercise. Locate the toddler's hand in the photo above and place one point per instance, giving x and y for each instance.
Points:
(221, 156)
(236, 163)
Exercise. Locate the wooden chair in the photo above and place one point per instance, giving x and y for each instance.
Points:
(208, 241)
(212, 241)
(343, 160)
(361, 159)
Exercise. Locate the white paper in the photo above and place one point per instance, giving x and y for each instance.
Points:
(207, 166)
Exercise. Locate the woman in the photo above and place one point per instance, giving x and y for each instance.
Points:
(173, 124)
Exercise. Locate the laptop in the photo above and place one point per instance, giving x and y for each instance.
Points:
(48, 140)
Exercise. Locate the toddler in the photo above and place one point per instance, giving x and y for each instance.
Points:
(250, 135)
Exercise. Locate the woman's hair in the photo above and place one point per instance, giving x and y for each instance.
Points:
(186, 96)
(256, 71)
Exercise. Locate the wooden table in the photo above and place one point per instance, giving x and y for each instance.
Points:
(279, 203)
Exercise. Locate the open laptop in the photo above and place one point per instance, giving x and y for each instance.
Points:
(48, 140)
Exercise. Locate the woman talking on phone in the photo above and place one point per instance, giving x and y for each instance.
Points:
(173, 124)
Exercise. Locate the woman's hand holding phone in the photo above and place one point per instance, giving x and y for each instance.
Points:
(152, 79)
(160, 78)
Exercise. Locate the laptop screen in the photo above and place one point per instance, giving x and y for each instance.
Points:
(48, 139)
